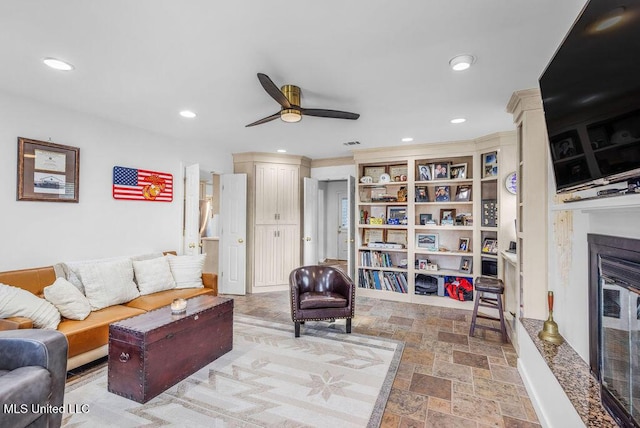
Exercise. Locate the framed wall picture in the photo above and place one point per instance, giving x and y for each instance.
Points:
(463, 245)
(397, 237)
(458, 171)
(441, 171)
(425, 172)
(442, 194)
(489, 164)
(374, 172)
(421, 194)
(427, 241)
(47, 171)
(463, 193)
(465, 264)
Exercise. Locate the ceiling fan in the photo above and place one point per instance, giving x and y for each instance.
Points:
(289, 98)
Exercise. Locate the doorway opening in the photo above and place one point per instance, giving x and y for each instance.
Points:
(333, 223)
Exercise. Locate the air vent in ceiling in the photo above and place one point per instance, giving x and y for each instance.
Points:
(352, 143)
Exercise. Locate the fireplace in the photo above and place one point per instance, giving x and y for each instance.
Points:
(614, 324)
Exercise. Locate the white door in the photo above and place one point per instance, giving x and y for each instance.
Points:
(233, 233)
(343, 226)
(310, 222)
(191, 241)
(351, 249)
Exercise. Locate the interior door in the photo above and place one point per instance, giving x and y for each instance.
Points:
(343, 226)
(233, 234)
(191, 241)
(310, 222)
(351, 248)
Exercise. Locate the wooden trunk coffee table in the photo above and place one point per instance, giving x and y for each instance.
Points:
(151, 352)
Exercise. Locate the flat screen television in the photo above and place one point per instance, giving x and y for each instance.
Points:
(591, 97)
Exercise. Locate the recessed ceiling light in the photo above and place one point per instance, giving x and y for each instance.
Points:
(458, 120)
(462, 62)
(281, 151)
(188, 114)
(58, 64)
(407, 139)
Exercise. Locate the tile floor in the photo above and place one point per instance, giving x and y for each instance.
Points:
(445, 378)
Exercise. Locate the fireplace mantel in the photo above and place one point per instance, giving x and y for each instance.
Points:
(621, 202)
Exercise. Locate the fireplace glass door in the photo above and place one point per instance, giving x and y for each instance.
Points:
(619, 342)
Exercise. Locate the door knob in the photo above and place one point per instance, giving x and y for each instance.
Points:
(308, 238)
(240, 240)
(192, 245)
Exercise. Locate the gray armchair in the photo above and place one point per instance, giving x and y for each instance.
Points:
(33, 371)
(321, 293)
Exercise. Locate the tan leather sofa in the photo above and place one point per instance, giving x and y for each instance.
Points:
(88, 339)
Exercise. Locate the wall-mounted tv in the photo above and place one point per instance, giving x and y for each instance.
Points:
(591, 97)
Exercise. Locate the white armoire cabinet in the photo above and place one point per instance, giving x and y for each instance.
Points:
(274, 213)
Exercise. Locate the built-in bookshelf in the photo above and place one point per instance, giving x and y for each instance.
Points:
(422, 221)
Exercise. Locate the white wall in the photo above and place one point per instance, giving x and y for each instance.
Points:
(340, 172)
(43, 233)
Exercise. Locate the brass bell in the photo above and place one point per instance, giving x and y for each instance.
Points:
(549, 332)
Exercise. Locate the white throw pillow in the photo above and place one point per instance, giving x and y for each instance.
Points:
(16, 302)
(68, 299)
(187, 270)
(71, 270)
(108, 283)
(153, 275)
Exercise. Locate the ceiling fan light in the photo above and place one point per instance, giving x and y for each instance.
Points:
(461, 62)
(290, 115)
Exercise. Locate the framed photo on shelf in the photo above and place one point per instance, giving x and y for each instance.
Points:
(490, 164)
(465, 264)
(47, 171)
(442, 194)
(425, 218)
(374, 172)
(398, 172)
(447, 216)
(458, 171)
(463, 193)
(441, 171)
(373, 235)
(425, 173)
(397, 237)
(490, 246)
(564, 146)
(421, 194)
(396, 215)
(422, 264)
(427, 241)
(463, 245)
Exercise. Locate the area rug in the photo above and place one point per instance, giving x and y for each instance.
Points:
(325, 378)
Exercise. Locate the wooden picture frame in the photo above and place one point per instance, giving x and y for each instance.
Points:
(422, 195)
(398, 172)
(458, 171)
(373, 235)
(447, 216)
(427, 241)
(374, 172)
(47, 171)
(463, 245)
(397, 237)
(466, 263)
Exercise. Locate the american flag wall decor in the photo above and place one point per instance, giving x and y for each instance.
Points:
(142, 185)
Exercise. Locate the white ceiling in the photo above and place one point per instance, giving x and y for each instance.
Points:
(140, 62)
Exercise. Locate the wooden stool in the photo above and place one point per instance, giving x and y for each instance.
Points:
(495, 286)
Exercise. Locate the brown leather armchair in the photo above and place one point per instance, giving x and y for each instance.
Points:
(320, 293)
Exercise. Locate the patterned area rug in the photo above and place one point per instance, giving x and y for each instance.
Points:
(325, 378)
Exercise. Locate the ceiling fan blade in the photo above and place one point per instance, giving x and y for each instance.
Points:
(273, 90)
(329, 113)
(264, 120)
